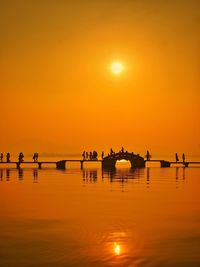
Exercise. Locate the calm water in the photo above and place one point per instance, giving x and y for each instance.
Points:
(146, 217)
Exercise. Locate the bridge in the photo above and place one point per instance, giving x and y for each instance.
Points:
(59, 164)
(136, 161)
(107, 162)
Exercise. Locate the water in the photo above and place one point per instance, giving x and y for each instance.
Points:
(146, 217)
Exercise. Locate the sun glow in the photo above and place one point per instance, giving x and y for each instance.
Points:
(117, 68)
(117, 248)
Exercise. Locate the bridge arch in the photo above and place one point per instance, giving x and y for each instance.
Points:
(136, 161)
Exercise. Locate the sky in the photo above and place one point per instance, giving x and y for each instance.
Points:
(57, 92)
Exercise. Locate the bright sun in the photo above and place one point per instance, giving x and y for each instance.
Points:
(117, 68)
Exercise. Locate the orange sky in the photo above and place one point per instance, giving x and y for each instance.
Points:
(56, 89)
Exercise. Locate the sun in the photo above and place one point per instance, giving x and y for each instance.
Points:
(117, 68)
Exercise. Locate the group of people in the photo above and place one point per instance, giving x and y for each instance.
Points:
(7, 157)
(92, 155)
(20, 157)
(177, 158)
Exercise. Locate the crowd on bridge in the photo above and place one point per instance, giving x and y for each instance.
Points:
(92, 155)
(20, 157)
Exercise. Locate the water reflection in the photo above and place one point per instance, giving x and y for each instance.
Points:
(123, 175)
(90, 176)
(35, 175)
(7, 174)
(148, 177)
(20, 174)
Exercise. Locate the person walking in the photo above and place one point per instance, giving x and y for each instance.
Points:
(148, 155)
(34, 157)
(183, 157)
(21, 157)
(83, 155)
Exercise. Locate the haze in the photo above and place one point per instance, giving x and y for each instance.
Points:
(57, 91)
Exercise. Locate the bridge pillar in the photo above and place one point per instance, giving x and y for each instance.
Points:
(61, 165)
(18, 165)
(137, 162)
(108, 163)
(164, 164)
(81, 164)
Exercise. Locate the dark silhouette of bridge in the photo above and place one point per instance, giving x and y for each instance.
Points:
(108, 162)
(136, 161)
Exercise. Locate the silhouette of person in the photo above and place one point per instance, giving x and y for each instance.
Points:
(1, 157)
(183, 157)
(34, 157)
(102, 154)
(148, 155)
(90, 155)
(95, 155)
(177, 159)
(8, 157)
(21, 157)
(111, 151)
(122, 150)
(83, 155)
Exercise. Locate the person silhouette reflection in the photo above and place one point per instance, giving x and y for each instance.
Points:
(35, 175)
(1, 175)
(7, 174)
(20, 174)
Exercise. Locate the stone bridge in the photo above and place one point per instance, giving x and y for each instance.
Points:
(135, 160)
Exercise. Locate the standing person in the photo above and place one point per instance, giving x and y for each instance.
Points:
(1, 157)
(8, 157)
(177, 159)
(37, 156)
(83, 155)
(102, 154)
(34, 157)
(111, 151)
(90, 155)
(21, 157)
(122, 150)
(183, 157)
(148, 155)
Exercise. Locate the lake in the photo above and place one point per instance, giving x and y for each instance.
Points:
(141, 217)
